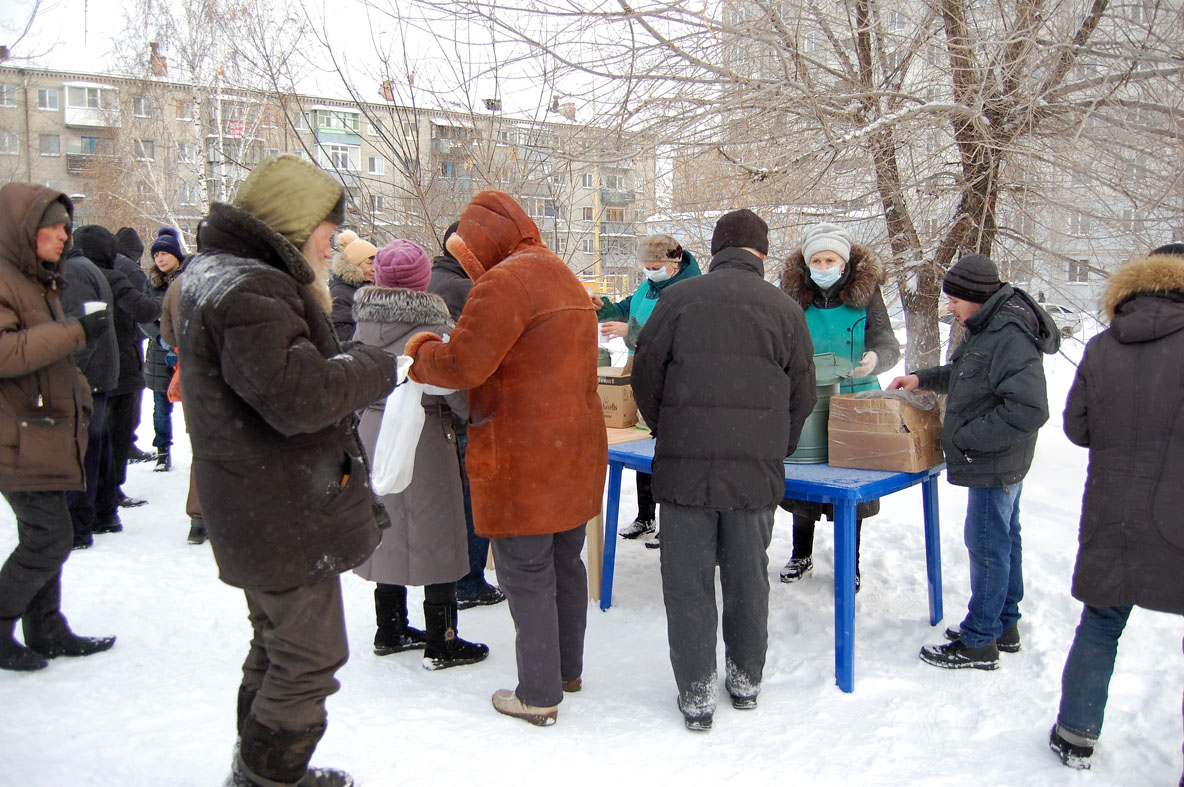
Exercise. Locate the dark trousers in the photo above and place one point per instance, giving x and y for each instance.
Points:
(645, 496)
(473, 582)
(803, 537)
(98, 451)
(546, 587)
(31, 578)
(693, 540)
(121, 411)
(298, 645)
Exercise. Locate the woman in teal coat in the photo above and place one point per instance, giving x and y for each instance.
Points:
(664, 262)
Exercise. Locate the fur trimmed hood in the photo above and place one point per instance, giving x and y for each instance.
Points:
(1158, 274)
(865, 272)
(349, 272)
(398, 305)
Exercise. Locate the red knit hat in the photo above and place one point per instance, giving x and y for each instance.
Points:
(402, 263)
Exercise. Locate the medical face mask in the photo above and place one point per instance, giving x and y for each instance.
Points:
(826, 277)
(658, 276)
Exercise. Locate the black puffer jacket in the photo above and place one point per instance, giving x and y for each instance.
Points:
(98, 360)
(997, 395)
(1127, 406)
(724, 374)
(451, 283)
(269, 404)
(157, 371)
(347, 279)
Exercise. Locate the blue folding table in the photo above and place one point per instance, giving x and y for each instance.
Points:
(818, 483)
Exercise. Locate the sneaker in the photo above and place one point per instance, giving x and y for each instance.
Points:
(107, 523)
(1008, 642)
(136, 455)
(637, 529)
(507, 702)
(129, 502)
(487, 596)
(796, 568)
(655, 542)
(956, 655)
(1072, 755)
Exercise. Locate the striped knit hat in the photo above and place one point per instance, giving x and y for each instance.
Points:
(973, 278)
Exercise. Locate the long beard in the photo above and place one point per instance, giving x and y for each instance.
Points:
(319, 288)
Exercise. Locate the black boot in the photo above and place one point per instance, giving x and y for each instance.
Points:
(15, 656)
(197, 530)
(390, 612)
(70, 644)
(163, 462)
(246, 697)
(444, 648)
(279, 758)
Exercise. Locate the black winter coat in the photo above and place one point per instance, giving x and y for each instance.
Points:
(1127, 406)
(724, 375)
(269, 404)
(99, 360)
(997, 396)
(451, 283)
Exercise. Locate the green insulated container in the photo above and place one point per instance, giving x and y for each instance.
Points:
(829, 370)
(605, 358)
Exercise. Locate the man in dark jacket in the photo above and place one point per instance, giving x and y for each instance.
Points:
(452, 284)
(996, 405)
(44, 405)
(1125, 406)
(132, 306)
(127, 261)
(285, 490)
(724, 376)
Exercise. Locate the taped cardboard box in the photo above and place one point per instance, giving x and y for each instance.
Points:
(616, 396)
(883, 434)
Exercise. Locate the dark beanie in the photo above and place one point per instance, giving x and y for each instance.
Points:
(973, 278)
(55, 213)
(740, 229)
(97, 244)
(1170, 248)
(130, 244)
(168, 239)
(448, 233)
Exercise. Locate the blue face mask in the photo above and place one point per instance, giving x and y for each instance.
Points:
(658, 276)
(826, 277)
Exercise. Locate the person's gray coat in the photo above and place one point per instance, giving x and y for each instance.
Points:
(426, 543)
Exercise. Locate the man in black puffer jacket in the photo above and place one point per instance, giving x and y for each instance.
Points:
(724, 376)
(997, 403)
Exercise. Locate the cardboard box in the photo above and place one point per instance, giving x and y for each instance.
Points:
(883, 434)
(616, 396)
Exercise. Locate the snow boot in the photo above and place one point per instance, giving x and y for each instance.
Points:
(487, 596)
(13, 655)
(107, 523)
(197, 530)
(638, 528)
(796, 568)
(444, 648)
(697, 720)
(1073, 755)
(655, 542)
(1008, 641)
(136, 454)
(277, 758)
(956, 655)
(163, 462)
(69, 644)
(390, 612)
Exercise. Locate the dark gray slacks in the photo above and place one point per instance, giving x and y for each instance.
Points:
(693, 540)
(298, 645)
(31, 579)
(546, 587)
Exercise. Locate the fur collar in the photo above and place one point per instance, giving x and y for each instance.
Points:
(347, 271)
(397, 305)
(1160, 273)
(865, 274)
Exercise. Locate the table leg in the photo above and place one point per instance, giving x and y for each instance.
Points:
(932, 547)
(845, 594)
(592, 535)
(610, 533)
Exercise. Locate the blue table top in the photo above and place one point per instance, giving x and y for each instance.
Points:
(816, 482)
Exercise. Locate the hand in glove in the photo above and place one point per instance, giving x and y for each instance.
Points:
(95, 324)
(866, 364)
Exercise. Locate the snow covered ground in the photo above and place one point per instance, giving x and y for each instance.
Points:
(159, 708)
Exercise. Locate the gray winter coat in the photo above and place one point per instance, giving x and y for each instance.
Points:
(997, 397)
(426, 543)
(1127, 406)
(157, 371)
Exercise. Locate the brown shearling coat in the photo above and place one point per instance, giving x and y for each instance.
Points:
(525, 349)
(45, 401)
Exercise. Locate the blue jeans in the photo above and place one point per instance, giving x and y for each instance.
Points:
(162, 419)
(996, 574)
(1085, 683)
(473, 582)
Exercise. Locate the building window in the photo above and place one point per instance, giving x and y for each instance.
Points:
(7, 95)
(184, 110)
(448, 169)
(560, 245)
(189, 194)
(587, 245)
(340, 156)
(1080, 223)
(589, 180)
(586, 213)
(614, 181)
(145, 150)
(376, 165)
(377, 203)
(374, 128)
(271, 117)
(1078, 270)
(301, 121)
(142, 106)
(338, 121)
(51, 145)
(10, 144)
(615, 215)
(186, 152)
(84, 97)
(47, 98)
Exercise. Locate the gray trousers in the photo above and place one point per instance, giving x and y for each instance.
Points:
(693, 541)
(546, 587)
(298, 645)
(31, 579)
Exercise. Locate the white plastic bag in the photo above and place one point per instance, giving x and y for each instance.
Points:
(398, 435)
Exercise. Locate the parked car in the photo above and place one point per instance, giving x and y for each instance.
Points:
(1067, 318)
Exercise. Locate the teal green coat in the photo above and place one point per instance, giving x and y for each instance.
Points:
(638, 307)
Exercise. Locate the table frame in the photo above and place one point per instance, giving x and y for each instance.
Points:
(819, 483)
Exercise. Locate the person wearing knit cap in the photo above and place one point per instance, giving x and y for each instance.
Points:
(352, 266)
(724, 376)
(837, 284)
(663, 262)
(426, 543)
(130, 244)
(160, 360)
(997, 401)
(260, 354)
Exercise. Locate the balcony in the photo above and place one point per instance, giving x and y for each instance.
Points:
(83, 163)
(614, 228)
(617, 196)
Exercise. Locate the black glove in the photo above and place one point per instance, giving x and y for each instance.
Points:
(95, 324)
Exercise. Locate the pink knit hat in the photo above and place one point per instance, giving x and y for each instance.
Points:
(402, 263)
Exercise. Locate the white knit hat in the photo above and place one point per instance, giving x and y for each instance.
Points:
(826, 237)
